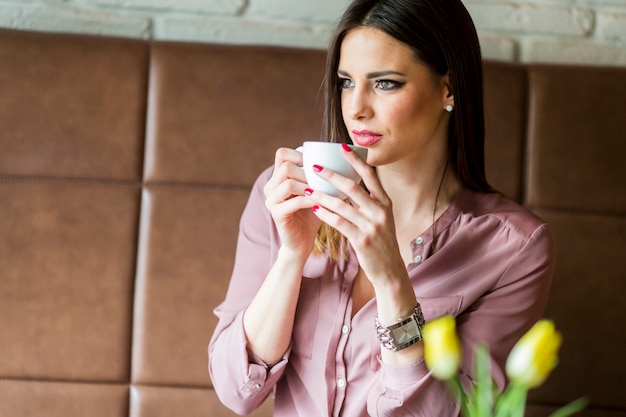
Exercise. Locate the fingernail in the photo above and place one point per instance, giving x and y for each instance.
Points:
(308, 191)
(346, 147)
(317, 168)
(315, 208)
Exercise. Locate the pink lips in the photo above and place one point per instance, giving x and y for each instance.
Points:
(365, 137)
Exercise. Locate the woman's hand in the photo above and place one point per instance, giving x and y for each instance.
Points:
(367, 223)
(289, 207)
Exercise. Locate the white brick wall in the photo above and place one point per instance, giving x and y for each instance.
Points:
(544, 19)
(558, 31)
(553, 31)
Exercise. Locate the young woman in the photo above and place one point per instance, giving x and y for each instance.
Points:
(328, 296)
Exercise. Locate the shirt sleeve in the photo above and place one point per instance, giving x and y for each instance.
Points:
(241, 380)
(497, 319)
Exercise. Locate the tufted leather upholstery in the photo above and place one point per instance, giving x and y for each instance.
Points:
(124, 167)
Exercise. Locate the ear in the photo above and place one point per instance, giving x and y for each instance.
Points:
(448, 91)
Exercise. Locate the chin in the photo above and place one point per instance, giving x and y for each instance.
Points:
(373, 161)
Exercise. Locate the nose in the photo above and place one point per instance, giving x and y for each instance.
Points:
(356, 103)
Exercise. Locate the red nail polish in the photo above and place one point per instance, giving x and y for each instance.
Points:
(346, 147)
(317, 168)
(315, 208)
(308, 191)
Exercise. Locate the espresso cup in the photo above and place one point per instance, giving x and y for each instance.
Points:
(328, 155)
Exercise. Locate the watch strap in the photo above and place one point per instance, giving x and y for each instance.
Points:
(386, 336)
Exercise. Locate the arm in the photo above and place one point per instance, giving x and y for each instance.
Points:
(234, 371)
(250, 344)
(268, 320)
(500, 311)
(367, 222)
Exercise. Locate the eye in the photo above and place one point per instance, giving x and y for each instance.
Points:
(344, 83)
(388, 85)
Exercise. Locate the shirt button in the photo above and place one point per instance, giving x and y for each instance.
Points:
(417, 259)
(256, 386)
(341, 383)
(419, 240)
(345, 329)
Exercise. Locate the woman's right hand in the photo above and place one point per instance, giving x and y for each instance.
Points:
(289, 207)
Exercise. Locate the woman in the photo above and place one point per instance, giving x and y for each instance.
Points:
(320, 284)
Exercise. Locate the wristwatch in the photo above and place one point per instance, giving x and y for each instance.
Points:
(402, 334)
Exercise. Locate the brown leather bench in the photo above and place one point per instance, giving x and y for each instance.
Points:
(124, 167)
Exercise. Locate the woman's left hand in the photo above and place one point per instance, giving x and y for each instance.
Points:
(367, 223)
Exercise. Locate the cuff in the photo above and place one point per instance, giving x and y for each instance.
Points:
(400, 377)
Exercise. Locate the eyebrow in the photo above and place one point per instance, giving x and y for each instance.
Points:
(371, 75)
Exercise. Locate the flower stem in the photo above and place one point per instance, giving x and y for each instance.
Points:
(483, 389)
(512, 402)
(454, 385)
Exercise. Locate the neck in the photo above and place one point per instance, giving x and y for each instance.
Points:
(419, 195)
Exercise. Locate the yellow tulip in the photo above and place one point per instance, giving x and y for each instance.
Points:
(534, 356)
(442, 349)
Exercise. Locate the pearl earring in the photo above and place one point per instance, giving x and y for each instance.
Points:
(449, 108)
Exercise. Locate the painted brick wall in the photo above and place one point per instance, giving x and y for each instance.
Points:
(557, 31)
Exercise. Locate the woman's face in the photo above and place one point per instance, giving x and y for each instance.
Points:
(391, 103)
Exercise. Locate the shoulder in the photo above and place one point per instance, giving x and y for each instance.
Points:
(507, 234)
(493, 208)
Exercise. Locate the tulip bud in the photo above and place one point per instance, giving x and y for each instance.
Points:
(442, 349)
(535, 355)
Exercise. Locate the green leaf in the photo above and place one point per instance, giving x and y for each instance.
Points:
(570, 408)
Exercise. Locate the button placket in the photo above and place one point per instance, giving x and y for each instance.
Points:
(343, 332)
(418, 247)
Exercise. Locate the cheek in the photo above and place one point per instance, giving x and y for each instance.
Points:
(421, 109)
(404, 114)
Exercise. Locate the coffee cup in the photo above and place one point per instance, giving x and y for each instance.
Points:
(328, 155)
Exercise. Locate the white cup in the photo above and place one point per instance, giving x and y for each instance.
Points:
(328, 155)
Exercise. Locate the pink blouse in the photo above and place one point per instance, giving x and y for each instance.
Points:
(492, 269)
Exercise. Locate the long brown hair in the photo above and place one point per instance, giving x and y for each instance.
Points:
(443, 37)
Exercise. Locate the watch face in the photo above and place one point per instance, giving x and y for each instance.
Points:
(405, 333)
